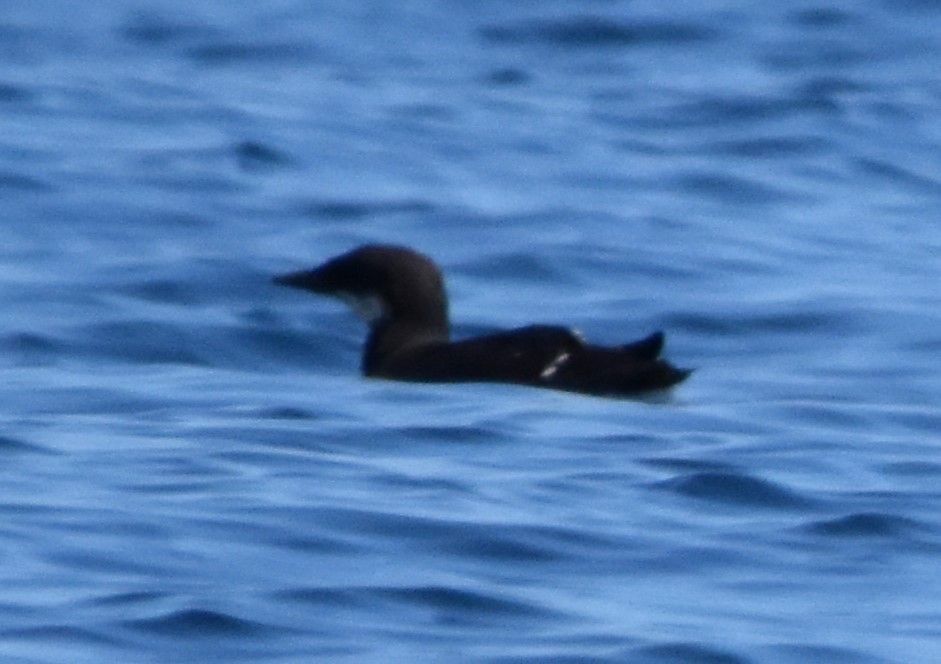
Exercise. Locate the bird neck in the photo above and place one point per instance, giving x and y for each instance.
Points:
(389, 337)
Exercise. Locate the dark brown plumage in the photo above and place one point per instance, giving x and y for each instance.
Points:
(401, 294)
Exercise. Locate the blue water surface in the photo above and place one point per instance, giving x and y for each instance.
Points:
(193, 470)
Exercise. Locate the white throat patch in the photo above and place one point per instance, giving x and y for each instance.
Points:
(370, 308)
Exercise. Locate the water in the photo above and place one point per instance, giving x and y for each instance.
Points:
(194, 471)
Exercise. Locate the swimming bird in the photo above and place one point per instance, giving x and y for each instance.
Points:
(400, 293)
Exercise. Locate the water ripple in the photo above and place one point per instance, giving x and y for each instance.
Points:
(233, 53)
(256, 156)
(359, 209)
(464, 605)
(152, 29)
(733, 189)
(597, 32)
(10, 445)
(10, 93)
(200, 623)
(866, 524)
(688, 653)
(23, 183)
(737, 489)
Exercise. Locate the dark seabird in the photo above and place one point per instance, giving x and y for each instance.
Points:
(400, 293)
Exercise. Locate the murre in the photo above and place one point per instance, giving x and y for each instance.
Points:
(401, 295)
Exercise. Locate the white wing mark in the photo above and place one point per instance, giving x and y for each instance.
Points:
(553, 366)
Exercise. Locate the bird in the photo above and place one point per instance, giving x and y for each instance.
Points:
(400, 293)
